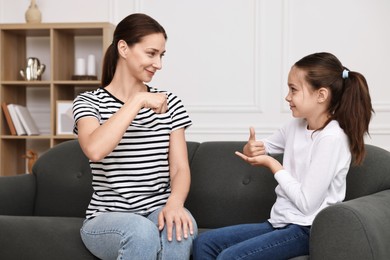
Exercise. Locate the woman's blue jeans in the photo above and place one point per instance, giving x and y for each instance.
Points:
(116, 235)
(252, 241)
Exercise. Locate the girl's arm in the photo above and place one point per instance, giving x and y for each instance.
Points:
(262, 160)
(323, 181)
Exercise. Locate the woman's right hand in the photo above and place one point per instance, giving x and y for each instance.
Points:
(98, 140)
(253, 148)
(155, 101)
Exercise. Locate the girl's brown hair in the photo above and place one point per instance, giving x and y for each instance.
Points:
(131, 29)
(350, 102)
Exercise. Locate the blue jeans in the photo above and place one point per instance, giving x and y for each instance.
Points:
(252, 241)
(120, 235)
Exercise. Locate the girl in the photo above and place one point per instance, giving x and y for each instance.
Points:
(332, 110)
(133, 135)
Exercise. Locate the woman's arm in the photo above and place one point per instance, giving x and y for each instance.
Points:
(174, 212)
(97, 141)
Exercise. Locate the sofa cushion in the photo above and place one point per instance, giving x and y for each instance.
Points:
(42, 238)
(226, 190)
(64, 181)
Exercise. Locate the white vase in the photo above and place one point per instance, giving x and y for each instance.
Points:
(33, 15)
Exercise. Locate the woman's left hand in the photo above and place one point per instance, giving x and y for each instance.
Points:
(176, 216)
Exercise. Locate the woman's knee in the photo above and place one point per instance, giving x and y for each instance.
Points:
(121, 234)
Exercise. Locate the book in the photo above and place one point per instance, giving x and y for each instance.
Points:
(8, 118)
(27, 120)
(15, 119)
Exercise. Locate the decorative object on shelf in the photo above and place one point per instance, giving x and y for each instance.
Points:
(80, 67)
(34, 69)
(26, 119)
(85, 71)
(8, 118)
(33, 15)
(21, 119)
(64, 117)
(15, 120)
(31, 157)
(91, 68)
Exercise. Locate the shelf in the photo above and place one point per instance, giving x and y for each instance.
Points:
(25, 83)
(57, 45)
(77, 82)
(64, 137)
(48, 83)
(25, 31)
(26, 137)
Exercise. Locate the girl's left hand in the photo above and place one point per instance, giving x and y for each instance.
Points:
(262, 160)
(175, 216)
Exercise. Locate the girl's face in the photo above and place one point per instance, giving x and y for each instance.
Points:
(145, 58)
(303, 100)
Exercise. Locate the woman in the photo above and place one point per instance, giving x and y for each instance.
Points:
(133, 135)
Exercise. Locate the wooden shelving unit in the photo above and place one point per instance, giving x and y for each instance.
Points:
(61, 47)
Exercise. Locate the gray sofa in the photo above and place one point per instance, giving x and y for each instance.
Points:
(41, 213)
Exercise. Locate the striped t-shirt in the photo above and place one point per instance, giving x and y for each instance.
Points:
(134, 177)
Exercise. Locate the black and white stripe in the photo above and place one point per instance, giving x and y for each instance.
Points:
(134, 177)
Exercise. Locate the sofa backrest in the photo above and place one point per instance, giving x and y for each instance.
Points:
(64, 181)
(372, 176)
(225, 190)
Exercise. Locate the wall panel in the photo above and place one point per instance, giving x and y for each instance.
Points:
(228, 59)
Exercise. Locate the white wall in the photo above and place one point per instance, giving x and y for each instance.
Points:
(228, 59)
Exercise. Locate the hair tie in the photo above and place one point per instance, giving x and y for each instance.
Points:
(345, 74)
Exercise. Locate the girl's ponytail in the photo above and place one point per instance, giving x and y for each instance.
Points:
(354, 113)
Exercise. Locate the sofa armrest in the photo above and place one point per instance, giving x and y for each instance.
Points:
(355, 229)
(17, 194)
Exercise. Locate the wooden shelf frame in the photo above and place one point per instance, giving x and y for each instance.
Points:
(61, 39)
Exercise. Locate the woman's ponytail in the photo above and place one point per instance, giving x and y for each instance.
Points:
(109, 65)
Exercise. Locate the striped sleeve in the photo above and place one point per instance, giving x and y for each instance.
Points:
(179, 115)
(85, 105)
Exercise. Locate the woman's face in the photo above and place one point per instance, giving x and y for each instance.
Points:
(301, 97)
(145, 58)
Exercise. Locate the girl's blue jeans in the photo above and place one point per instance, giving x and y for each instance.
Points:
(252, 241)
(115, 235)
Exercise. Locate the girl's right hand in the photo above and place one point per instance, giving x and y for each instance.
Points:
(253, 148)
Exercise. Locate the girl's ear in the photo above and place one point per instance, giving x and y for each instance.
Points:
(122, 48)
(323, 94)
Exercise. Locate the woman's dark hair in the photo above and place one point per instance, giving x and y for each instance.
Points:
(350, 102)
(131, 29)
